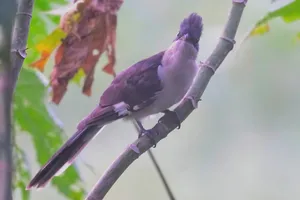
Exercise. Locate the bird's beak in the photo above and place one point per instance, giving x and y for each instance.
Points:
(184, 37)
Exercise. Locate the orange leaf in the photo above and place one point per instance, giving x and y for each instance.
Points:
(46, 47)
(110, 49)
(59, 54)
(93, 34)
(40, 64)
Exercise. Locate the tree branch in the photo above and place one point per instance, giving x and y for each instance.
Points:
(20, 36)
(7, 14)
(158, 169)
(165, 125)
(12, 54)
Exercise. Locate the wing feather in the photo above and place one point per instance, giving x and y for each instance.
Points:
(136, 86)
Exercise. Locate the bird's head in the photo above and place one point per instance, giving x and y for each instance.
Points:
(191, 30)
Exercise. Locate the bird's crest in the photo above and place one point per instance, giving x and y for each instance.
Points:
(193, 26)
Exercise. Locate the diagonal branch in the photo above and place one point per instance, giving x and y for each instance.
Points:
(158, 170)
(165, 125)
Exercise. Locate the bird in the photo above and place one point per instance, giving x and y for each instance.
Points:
(148, 87)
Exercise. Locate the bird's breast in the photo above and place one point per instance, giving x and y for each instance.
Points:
(176, 83)
(176, 80)
(176, 73)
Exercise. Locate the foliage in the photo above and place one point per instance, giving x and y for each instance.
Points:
(32, 117)
(85, 25)
(32, 114)
(86, 31)
(287, 10)
(22, 175)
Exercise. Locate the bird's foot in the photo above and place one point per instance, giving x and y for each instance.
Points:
(175, 117)
(149, 134)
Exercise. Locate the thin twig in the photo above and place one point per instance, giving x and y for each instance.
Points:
(165, 125)
(7, 14)
(156, 165)
(158, 169)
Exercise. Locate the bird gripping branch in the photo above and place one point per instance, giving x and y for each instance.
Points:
(148, 87)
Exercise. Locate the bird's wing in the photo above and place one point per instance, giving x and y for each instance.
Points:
(135, 88)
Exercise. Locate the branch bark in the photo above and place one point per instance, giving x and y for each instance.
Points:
(20, 36)
(158, 169)
(7, 14)
(14, 36)
(165, 125)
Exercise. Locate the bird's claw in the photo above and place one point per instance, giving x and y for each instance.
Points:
(175, 117)
(149, 134)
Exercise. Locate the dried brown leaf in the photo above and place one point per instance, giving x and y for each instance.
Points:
(94, 34)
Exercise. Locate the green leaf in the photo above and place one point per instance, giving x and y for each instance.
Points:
(31, 115)
(78, 76)
(287, 10)
(22, 175)
(41, 25)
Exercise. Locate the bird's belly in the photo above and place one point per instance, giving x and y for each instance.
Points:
(174, 89)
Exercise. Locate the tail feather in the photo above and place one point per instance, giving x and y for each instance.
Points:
(63, 158)
(87, 130)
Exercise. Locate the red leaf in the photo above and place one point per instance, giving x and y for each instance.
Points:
(39, 64)
(95, 33)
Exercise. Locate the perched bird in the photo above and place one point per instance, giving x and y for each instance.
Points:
(148, 87)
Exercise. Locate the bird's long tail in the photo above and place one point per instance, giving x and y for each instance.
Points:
(87, 130)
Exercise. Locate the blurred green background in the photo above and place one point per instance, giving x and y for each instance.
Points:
(243, 140)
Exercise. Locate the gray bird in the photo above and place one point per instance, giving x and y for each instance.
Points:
(148, 87)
